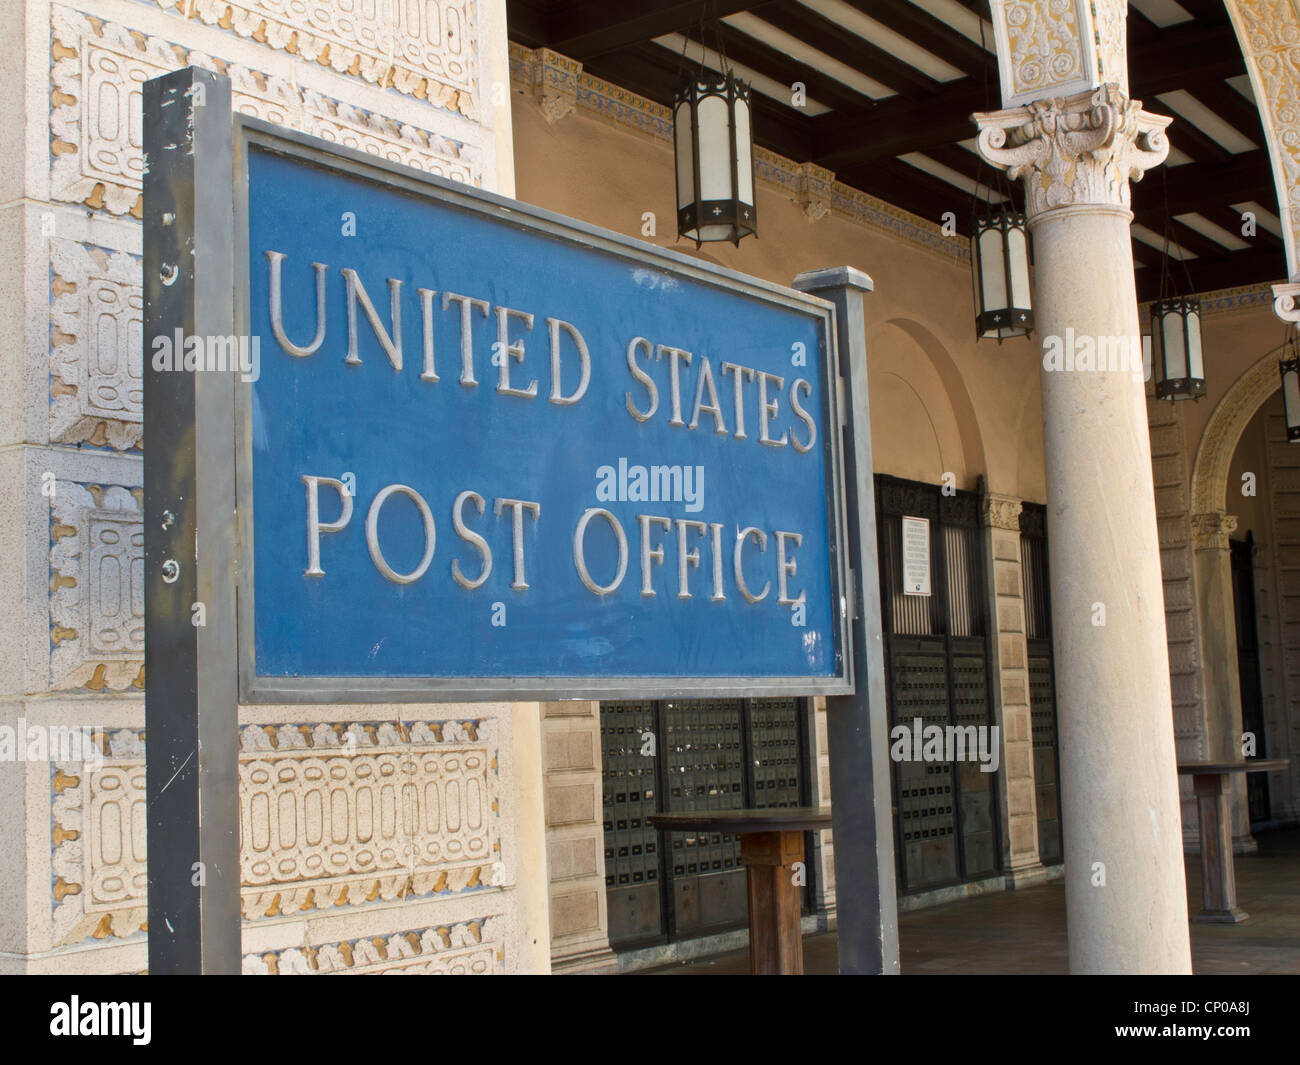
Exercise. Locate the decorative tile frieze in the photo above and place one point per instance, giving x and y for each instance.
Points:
(469, 948)
(96, 588)
(1228, 299)
(98, 69)
(96, 374)
(331, 815)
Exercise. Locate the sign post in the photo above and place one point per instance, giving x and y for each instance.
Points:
(857, 724)
(191, 722)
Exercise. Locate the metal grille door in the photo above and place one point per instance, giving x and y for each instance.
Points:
(703, 758)
(946, 820)
(925, 799)
(630, 792)
(684, 755)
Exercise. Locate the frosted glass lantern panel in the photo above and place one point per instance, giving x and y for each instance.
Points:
(1174, 349)
(1291, 395)
(1019, 251)
(992, 271)
(685, 155)
(715, 148)
(1194, 368)
(744, 167)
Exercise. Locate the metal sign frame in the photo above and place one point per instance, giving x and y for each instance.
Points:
(252, 134)
(197, 546)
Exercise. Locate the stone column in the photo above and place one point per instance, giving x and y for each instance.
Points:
(1126, 899)
(1020, 860)
(1215, 606)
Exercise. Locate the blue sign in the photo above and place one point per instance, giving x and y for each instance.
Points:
(490, 450)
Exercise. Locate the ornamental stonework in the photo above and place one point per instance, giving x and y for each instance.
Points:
(1269, 33)
(1075, 151)
(98, 69)
(96, 373)
(97, 861)
(1002, 512)
(96, 588)
(426, 50)
(465, 948)
(554, 81)
(331, 815)
(1111, 28)
(1041, 44)
(814, 187)
(1212, 531)
(336, 815)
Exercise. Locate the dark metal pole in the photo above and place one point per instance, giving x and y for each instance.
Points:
(857, 725)
(191, 722)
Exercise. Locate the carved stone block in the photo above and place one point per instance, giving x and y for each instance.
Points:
(96, 372)
(96, 588)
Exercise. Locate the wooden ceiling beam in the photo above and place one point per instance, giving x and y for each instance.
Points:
(1188, 138)
(1233, 270)
(787, 70)
(1246, 176)
(1182, 56)
(900, 125)
(827, 37)
(1182, 235)
(913, 190)
(1230, 219)
(597, 27)
(932, 34)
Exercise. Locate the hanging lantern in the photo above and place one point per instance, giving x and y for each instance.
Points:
(1290, 367)
(715, 159)
(1176, 344)
(1000, 265)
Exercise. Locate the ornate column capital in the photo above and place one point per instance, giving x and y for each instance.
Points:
(1001, 512)
(1210, 531)
(1286, 300)
(1075, 150)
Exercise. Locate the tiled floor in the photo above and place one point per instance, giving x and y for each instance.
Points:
(1024, 931)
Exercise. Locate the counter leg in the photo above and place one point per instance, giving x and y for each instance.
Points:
(1218, 875)
(775, 931)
